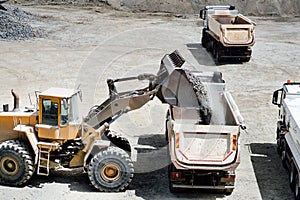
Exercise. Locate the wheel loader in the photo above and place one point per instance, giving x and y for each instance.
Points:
(51, 135)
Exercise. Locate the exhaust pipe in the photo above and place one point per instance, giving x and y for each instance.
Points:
(16, 101)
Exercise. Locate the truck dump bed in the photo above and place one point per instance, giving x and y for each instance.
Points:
(232, 30)
(198, 146)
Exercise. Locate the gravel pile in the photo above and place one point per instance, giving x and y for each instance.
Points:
(15, 24)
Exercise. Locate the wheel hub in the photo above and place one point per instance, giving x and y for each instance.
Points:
(9, 166)
(111, 172)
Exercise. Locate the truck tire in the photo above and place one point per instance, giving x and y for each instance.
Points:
(279, 142)
(247, 59)
(218, 55)
(204, 38)
(16, 163)
(297, 189)
(166, 126)
(171, 188)
(170, 170)
(283, 154)
(292, 176)
(228, 191)
(111, 170)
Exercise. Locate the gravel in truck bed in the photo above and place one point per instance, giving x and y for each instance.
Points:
(15, 24)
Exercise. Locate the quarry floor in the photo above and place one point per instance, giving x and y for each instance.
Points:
(85, 46)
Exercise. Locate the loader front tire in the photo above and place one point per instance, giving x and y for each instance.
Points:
(16, 163)
(111, 170)
(118, 140)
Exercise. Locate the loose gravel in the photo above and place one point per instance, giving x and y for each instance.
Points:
(15, 24)
(205, 108)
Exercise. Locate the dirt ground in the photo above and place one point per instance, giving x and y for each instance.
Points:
(85, 46)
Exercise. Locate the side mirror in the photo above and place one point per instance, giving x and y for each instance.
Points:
(80, 95)
(65, 103)
(79, 92)
(276, 100)
(202, 14)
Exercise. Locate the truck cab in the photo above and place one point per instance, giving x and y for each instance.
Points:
(290, 92)
(216, 10)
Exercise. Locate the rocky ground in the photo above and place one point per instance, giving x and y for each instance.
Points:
(15, 24)
(85, 46)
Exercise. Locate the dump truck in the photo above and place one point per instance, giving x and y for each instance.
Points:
(287, 99)
(203, 126)
(227, 34)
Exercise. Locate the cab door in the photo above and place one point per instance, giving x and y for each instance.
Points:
(48, 126)
(68, 127)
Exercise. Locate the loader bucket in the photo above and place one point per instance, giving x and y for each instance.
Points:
(180, 87)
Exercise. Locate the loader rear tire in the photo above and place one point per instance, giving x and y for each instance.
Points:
(16, 163)
(111, 170)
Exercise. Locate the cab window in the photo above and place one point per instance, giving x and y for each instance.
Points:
(50, 112)
(64, 112)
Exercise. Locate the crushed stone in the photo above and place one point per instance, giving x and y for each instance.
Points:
(15, 24)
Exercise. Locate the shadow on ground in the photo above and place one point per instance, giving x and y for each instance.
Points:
(76, 179)
(268, 169)
(204, 57)
(200, 54)
(154, 185)
(150, 180)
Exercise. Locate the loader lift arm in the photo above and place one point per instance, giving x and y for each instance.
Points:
(171, 85)
(119, 103)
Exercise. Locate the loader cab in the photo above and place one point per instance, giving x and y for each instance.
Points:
(58, 114)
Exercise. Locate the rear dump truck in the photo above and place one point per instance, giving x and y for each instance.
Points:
(203, 129)
(227, 34)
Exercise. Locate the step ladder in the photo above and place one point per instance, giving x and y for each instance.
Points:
(44, 157)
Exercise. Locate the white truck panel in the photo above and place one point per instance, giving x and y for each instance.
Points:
(292, 109)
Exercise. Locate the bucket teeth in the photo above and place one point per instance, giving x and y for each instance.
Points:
(176, 59)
